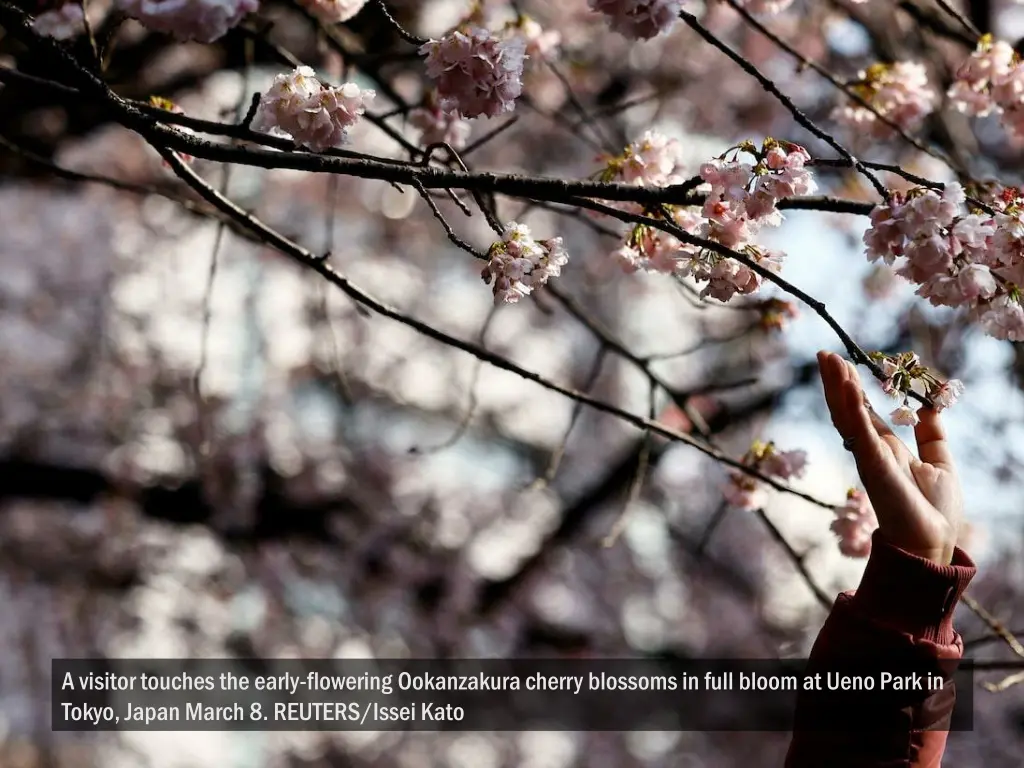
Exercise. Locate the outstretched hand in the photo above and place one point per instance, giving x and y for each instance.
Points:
(917, 499)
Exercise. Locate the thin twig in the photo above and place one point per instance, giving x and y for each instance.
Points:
(471, 406)
(476, 144)
(204, 334)
(90, 35)
(402, 32)
(849, 92)
(796, 558)
(556, 457)
(774, 90)
(963, 20)
(994, 624)
(642, 464)
(337, 370)
(485, 209)
(211, 276)
(312, 261)
(680, 398)
(458, 241)
(584, 117)
(1006, 682)
(709, 530)
(250, 113)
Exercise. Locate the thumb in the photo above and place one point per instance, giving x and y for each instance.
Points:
(932, 447)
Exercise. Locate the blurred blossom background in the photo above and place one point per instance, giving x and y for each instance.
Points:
(206, 451)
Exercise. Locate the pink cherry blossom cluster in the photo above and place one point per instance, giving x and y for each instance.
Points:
(991, 80)
(744, 195)
(727, 277)
(854, 524)
(746, 492)
(437, 126)
(314, 115)
(518, 263)
(541, 44)
(639, 19)
(958, 259)
(743, 198)
(334, 11)
(654, 161)
(476, 73)
(648, 249)
(200, 20)
(899, 91)
(63, 23)
(904, 373)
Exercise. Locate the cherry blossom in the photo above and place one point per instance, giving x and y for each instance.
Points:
(784, 464)
(1003, 317)
(541, 44)
(314, 115)
(741, 200)
(63, 23)
(854, 524)
(475, 72)
(972, 260)
(905, 373)
(519, 263)
(990, 81)
(439, 127)
(744, 194)
(334, 11)
(899, 91)
(726, 276)
(905, 416)
(650, 250)
(947, 394)
(981, 75)
(200, 20)
(746, 492)
(639, 19)
(654, 161)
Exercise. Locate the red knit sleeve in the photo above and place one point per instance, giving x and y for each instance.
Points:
(901, 613)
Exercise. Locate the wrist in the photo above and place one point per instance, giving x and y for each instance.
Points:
(912, 594)
(939, 556)
(937, 547)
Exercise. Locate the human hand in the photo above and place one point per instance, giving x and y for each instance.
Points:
(917, 499)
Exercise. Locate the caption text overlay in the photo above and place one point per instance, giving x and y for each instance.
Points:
(498, 695)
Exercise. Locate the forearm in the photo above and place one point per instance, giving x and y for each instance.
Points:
(901, 614)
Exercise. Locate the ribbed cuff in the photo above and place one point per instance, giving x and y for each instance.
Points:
(911, 594)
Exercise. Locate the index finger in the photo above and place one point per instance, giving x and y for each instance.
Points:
(833, 372)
